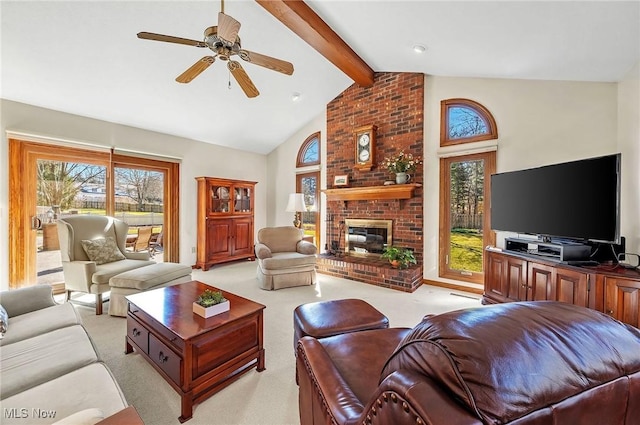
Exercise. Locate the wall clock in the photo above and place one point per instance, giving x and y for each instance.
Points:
(365, 141)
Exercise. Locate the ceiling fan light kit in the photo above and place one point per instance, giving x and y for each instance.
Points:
(224, 42)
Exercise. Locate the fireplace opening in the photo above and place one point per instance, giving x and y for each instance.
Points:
(367, 237)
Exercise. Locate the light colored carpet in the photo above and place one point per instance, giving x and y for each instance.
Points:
(269, 397)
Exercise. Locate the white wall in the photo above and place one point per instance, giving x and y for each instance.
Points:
(198, 159)
(281, 171)
(539, 123)
(629, 145)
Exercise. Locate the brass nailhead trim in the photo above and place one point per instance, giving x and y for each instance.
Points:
(394, 398)
(419, 421)
(405, 406)
(379, 403)
(385, 397)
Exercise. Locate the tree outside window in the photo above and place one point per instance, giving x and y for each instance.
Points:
(465, 121)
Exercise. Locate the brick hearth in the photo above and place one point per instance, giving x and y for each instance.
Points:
(374, 271)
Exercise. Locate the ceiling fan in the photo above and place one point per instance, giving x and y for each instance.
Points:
(224, 42)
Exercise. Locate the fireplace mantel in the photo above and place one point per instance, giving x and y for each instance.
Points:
(392, 191)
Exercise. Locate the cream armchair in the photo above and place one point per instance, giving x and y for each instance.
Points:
(91, 275)
(284, 259)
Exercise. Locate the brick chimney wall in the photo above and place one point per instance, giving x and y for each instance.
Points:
(395, 104)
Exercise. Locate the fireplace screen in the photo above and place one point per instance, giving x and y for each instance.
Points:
(367, 237)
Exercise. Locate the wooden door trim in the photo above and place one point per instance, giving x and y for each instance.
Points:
(19, 249)
(489, 236)
(171, 194)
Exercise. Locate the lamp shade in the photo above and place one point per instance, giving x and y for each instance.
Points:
(296, 203)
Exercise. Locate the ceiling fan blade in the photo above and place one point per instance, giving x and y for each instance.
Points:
(170, 39)
(242, 78)
(228, 28)
(267, 61)
(195, 69)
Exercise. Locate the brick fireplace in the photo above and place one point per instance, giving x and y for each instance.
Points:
(367, 238)
(395, 104)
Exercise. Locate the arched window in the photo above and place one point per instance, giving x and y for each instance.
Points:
(309, 153)
(308, 183)
(465, 121)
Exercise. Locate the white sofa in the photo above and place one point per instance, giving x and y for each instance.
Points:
(50, 371)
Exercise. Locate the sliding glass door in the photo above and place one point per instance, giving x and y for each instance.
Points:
(49, 182)
(139, 202)
(63, 188)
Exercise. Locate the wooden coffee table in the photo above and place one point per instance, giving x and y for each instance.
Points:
(196, 356)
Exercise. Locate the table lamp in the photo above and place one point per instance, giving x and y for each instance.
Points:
(295, 205)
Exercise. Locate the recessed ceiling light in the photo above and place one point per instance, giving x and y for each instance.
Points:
(419, 48)
(295, 96)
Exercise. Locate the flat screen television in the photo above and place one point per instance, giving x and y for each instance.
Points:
(577, 200)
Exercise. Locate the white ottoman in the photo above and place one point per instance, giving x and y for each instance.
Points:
(142, 279)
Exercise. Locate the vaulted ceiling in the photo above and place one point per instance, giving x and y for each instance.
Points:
(83, 57)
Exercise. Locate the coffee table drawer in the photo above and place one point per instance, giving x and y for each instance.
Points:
(166, 358)
(158, 327)
(138, 334)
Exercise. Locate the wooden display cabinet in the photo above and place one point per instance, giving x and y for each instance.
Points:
(225, 221)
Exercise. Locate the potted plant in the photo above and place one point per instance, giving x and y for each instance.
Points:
(401, 165)
(210, 303)
(399, 258)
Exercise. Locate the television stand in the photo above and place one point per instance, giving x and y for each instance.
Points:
(554, 251)
(512, 277)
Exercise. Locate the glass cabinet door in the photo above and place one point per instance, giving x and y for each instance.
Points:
(242, 199)
(220, 198)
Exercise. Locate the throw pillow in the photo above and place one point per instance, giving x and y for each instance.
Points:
(4, 321)
(102, 250)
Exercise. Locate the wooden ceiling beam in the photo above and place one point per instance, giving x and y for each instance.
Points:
(303, 21)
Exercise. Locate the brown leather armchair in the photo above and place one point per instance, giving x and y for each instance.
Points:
(527, 363)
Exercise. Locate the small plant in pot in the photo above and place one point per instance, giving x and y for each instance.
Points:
(399, 257)
(210, 303)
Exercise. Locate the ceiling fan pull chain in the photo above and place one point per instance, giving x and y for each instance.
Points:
(229, 73)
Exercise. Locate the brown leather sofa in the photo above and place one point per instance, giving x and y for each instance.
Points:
(530, 363)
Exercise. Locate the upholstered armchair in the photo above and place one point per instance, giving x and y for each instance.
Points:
(93, 251)
(284, 258)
